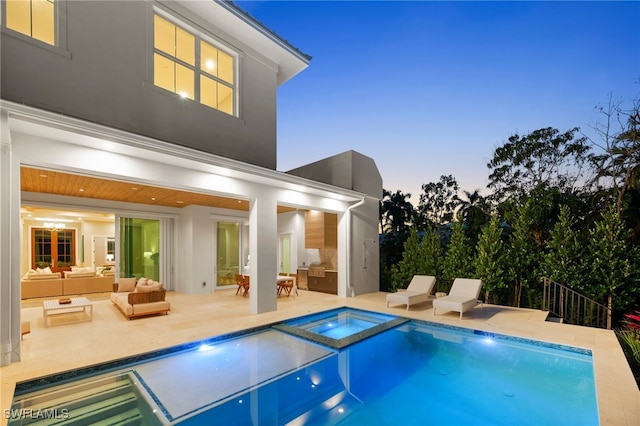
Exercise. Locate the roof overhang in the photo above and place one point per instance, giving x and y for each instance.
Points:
(48, 125)
(236, 22)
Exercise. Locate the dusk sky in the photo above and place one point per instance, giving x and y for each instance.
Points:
(432, 88)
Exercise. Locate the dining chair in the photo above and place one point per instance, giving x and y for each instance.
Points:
(240, 283)
(246, 280)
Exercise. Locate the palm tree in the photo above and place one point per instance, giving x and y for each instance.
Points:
(395, 211)
(473, 211)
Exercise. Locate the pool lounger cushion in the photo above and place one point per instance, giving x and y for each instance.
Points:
(462, 297)
(418, 291)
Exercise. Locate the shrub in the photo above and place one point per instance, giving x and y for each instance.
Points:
(629, 337)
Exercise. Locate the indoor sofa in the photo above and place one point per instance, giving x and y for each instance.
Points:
(142, 298)
(55, 286)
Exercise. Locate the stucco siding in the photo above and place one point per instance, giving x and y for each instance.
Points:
(104, 75)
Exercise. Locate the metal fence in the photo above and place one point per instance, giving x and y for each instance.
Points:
(573, 308)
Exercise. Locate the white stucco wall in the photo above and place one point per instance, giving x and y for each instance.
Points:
(104, 74)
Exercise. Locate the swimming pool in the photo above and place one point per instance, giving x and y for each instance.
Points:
(413, 373)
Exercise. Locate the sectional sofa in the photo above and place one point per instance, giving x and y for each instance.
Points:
(52, 285)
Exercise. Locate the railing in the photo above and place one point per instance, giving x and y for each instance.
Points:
(573, 308)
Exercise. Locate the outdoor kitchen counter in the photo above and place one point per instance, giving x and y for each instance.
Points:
(326, 284)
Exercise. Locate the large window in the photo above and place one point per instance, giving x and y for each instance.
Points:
(53, 248)
(193, 68)
(34, 18)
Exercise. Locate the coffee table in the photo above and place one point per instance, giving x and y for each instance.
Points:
(52, 308)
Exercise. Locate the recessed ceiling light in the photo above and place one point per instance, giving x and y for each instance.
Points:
(134, 188)
(153, 198)
(81, 190)
(44, 176)
(239, 201)
(180, 202)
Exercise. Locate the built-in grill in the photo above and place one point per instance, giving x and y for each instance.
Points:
(316, 269)
(322, 278)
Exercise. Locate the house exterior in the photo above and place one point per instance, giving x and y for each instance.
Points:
(177, 96)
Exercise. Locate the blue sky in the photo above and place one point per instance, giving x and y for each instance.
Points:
(432, 88)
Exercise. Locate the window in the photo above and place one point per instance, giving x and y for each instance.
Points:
(34, 18)
(186, 64)
(55, 249)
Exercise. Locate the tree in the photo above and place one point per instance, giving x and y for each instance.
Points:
(438, 201)
(395, 211)
(618, 162)
(473, 212)
(422, 256)
(458, 257)
(491, 260)
(563, 262)
(611, 261)
(523, 252)
(543, 157)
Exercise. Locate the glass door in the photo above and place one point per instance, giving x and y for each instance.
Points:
(228, 237)
(139, 246)
(284, 254)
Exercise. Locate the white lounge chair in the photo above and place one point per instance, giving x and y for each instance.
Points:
(462, 297)
(419, 291)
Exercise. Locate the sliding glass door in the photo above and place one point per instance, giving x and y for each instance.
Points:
(140, 252)
(228, 246)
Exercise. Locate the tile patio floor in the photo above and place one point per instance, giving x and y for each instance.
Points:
(110, 336)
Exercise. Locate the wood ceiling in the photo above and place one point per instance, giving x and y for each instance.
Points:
(51, 182)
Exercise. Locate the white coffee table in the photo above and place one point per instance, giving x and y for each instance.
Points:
(51, 308)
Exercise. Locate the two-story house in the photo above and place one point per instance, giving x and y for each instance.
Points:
(162, 116)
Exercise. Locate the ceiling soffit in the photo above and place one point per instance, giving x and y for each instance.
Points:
(58, 183)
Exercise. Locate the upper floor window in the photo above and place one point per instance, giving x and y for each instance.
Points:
(34, 18)
(186, 64)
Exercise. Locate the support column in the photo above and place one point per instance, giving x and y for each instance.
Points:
(263, 243)
(9, 248)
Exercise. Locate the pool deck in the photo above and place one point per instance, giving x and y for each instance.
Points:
(111, 336)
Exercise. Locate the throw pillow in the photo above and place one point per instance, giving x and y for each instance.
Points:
(149, 287)
(126, 285)
(47, 270)
(143, 281)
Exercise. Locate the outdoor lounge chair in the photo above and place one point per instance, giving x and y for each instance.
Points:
(462, 297)
(419, 291)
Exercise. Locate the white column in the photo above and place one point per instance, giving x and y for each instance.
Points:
(344, 253)
(9, 248)
(263, 243)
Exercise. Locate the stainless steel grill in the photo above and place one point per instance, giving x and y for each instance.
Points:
(317, 269)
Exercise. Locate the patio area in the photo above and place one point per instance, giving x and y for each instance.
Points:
(110, 336)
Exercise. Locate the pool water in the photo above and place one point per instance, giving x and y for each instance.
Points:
(340, 323)
(419, 374)
(411, 373)
(340, 327)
